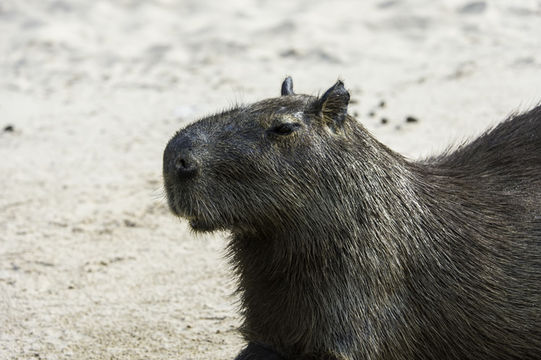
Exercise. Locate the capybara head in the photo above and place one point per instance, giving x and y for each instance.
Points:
(265, 165)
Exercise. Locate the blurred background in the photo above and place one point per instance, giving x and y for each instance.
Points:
(92, 265)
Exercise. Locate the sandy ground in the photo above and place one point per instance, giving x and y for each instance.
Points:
(92, 265)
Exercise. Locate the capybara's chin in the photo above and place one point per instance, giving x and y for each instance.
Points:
(205, 225)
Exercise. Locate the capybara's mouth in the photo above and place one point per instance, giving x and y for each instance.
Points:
(180, 210)
(175, 205)
(198, 222)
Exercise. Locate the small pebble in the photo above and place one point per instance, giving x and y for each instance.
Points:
(411, 119)
(382, 104)
(371, 114)
(9, 128)
(384, 120)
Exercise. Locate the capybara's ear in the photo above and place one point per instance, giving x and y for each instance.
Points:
(333, 104)
(287, 86)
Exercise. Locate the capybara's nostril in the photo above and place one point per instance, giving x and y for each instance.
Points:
(185, 166)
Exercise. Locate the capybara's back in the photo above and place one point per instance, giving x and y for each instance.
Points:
(346, 250)
(506, 158)
(489, 192)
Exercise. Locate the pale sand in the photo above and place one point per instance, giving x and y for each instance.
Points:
(92, 265)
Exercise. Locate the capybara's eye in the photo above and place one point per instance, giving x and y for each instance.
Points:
(285, 128)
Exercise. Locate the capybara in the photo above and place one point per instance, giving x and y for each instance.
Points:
(344, 249)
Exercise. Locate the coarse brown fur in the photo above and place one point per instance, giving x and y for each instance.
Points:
(346, 250)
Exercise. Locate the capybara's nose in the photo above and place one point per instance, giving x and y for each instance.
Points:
(185, 164)
(179, 160)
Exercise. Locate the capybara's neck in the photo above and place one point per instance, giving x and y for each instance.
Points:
(350, 252)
